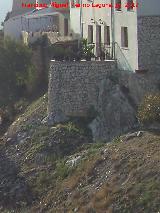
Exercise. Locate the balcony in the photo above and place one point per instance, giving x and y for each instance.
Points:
(103, 51)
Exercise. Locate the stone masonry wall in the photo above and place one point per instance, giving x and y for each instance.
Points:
(41, 60)
(76, 86)
(73, 86)
(149, 42)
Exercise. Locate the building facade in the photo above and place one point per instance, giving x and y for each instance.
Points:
(105, 26)
(17, 8)
(33, 20)
(111, 29)
(44, 20)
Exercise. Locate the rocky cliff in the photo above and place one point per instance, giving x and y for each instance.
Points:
(59, 169)
(118, 100)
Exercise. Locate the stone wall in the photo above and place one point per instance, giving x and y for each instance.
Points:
(41, 60)
(115, 94)
(149, 42)
(73, 86)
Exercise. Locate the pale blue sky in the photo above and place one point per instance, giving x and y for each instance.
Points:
(5, 6)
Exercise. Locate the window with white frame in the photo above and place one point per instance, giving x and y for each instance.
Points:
(75, 2)
(118, 5)
(107, 35)
(98, 34)
(65, 27)
(130, 5)
(124, 37)
(90, 34)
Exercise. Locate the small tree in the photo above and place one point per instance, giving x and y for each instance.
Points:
(87, 50)
(72, 52)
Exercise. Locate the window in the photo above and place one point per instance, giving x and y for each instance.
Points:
(107, 35)
(130, 5)
(124, 36)
(74, 3)
(118, 5)
(98, 40)
(90, 33)
(98, 34)
(65, 27)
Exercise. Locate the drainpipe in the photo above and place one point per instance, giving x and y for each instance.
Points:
(113, 28)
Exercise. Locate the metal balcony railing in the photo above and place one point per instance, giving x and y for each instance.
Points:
(121, 59)
(112, 52)
(103, 51)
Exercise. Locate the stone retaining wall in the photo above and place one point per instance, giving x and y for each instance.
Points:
(149, 42)
(73, 86)
(76, 86)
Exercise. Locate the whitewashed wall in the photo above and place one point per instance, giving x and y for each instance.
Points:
(122, 18)
(128, 19)
(75, 22)
(14, 26)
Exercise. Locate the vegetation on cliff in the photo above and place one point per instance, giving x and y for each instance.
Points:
(17, 73)
(59, 169)
(149, 109)
(19, 80)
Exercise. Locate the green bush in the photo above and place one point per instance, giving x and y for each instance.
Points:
(62, 169)
(149, 109)
(78, 51)
(87, 50)
(17, 73)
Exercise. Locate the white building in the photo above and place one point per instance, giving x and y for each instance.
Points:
(108, 26)
(110, 29)
(17, 6)
(34, 19)
(38, 20)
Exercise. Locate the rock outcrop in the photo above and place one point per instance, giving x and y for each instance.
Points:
(116, 113)
(76, 87)
(118, 100)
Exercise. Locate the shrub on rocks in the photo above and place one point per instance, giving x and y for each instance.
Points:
(149, 110)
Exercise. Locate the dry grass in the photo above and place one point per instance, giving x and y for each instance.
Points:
(85, 170)
(109, 178)
(102, 198)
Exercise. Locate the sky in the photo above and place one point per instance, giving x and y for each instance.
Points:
(5, 6)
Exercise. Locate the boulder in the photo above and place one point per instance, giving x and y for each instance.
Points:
(116, 112)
